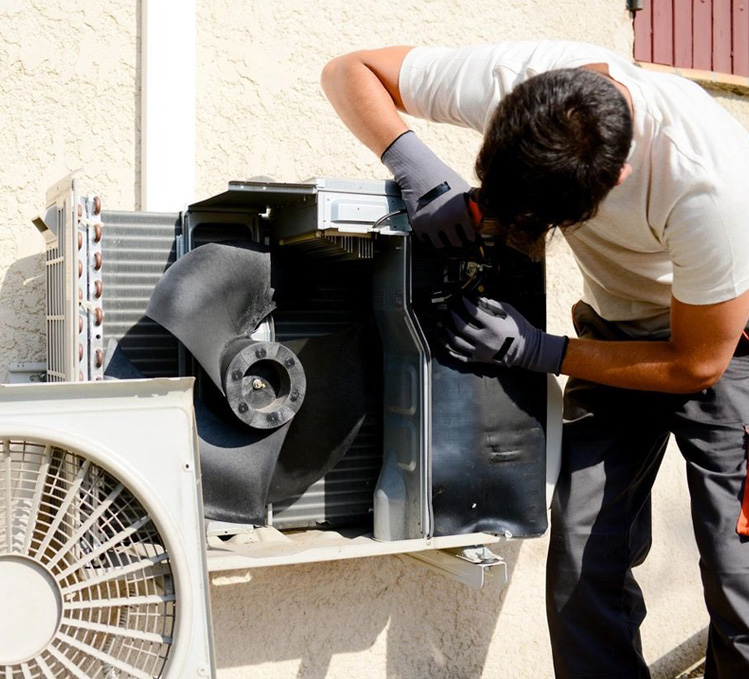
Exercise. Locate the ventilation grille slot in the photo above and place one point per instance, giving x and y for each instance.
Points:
(58, 298)
(136, 250)
(333, 248)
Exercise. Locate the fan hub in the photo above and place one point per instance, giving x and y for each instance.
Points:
(265, 384)
(31, 610)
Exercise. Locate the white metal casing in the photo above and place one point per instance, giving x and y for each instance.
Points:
(143, 433)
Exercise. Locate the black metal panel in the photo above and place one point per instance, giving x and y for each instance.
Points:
(488, 442)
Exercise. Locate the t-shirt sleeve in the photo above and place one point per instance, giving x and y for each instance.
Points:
(463, 86)
(708, 240)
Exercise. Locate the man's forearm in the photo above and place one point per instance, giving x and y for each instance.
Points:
(362, 87)
(703, 340)
(643, 365)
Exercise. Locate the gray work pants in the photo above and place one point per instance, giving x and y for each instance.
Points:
(614, 441)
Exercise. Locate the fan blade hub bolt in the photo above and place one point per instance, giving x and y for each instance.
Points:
(243, 407)
(289, 362)
(236, 375)
(258, 384)
(260, 353)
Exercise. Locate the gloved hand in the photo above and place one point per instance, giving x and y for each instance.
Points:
(499, 334)
(435, 196)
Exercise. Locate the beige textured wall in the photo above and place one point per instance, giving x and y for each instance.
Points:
(69, 93)
(70, 99)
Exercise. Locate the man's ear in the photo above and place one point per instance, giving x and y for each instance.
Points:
(624, 173)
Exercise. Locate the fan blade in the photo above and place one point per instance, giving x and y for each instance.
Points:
(236, 462)
(236, 466)
(210, 297)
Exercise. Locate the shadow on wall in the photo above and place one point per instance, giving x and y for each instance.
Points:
(298, 618)
(685, 655)
(22, 313)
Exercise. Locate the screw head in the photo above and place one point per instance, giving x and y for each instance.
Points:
(289, 363)
(243, 407)
(236, 375)
(260, 353)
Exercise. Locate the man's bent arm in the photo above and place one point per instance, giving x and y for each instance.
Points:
(363, 89)
(703, 340)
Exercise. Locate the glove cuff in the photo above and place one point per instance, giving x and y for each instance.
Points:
(393, 143)
(552, 351)
(409, 157)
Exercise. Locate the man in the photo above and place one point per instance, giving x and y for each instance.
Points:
(647, 179)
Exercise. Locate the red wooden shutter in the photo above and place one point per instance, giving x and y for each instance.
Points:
(711, 35)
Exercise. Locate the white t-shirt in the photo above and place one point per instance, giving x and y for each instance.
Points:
(678, 225)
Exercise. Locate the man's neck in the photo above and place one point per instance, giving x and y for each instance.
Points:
(603, 69)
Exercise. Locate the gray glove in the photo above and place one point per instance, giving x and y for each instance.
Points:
(435, 196)
(499, 334)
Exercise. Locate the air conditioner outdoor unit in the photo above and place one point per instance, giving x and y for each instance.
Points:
(102, 555)
(331, 425)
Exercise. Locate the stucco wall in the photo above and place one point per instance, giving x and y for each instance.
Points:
(69, 92)
(70, 99)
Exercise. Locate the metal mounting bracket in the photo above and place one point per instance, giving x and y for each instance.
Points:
(473, 566)
(23, 373)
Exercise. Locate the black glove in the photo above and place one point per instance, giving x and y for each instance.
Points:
(435, 196)
(498, 333)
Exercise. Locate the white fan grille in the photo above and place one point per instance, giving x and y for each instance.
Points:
(66, 521)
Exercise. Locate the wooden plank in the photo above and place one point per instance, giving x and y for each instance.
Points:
(702, 21)
(741, 37)
(722, 62)
(683, 33)
(663, 32)
(644, 33)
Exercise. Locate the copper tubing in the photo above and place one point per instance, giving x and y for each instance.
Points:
(80, 323)
(97, 232)
(97, 261)
(99, 315)
(99, 358)
(80, 352)
(97, 205)
(80, 240)
(97, 289)
(80, 269)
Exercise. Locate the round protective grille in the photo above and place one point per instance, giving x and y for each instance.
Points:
(85, 577)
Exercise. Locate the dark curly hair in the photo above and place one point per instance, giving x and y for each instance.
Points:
(554, 148)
